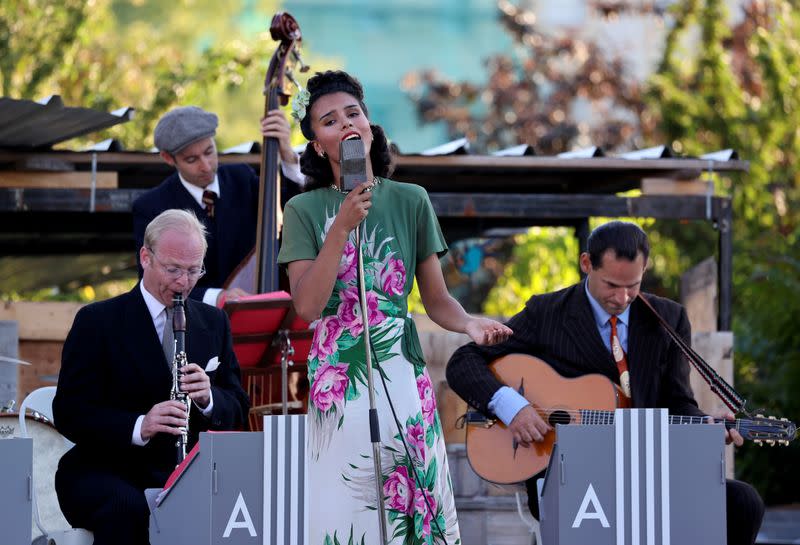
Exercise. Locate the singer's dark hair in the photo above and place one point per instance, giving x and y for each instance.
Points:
(317, 169)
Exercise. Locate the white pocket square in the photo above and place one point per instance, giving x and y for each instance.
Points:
(212, 364)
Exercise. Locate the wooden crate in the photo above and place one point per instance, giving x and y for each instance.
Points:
(42, 330)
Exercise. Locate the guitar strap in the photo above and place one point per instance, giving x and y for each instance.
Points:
(724, 391)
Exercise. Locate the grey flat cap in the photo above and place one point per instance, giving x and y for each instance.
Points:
(183, 126)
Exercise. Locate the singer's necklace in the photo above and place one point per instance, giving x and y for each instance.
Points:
(375, 182)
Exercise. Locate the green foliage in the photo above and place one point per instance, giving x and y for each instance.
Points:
(150, 55)
(544, 259)
(738, 88)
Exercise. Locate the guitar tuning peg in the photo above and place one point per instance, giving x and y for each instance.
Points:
(784, 419)
(772, 418)
(759, 416)
(758, 442)
(771, 442)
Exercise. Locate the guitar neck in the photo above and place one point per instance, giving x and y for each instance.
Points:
(756, 429)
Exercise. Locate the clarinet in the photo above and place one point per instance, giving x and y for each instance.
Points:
(178, 361)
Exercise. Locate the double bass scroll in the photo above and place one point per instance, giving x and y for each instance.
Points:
(258, 272)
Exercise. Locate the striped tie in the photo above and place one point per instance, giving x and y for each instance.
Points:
(209, 198)
(619, 357)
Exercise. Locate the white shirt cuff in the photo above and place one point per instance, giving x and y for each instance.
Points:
(207, 411)
(506, 403)
(210, 296)
(137, 433)
(293, 172)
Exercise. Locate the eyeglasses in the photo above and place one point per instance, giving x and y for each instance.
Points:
(174, 272)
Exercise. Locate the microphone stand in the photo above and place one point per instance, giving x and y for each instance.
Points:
(374, 428)
(353, 170)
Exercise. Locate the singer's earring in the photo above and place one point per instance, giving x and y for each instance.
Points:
(321, 153)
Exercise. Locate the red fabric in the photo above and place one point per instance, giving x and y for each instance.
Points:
(182, 466)
(265, 320)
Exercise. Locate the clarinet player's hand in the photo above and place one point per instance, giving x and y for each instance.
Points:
(165, 417)
(196, 383)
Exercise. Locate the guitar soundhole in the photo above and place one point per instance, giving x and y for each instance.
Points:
(559, 417)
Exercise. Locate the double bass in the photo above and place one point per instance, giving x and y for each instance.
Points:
(258, 272)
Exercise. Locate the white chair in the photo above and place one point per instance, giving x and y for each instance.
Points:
(41, 401)
(529, 520)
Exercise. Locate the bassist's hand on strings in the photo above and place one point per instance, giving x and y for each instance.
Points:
(275, 125)
(527, 426)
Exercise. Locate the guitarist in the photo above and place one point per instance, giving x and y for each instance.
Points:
(571, 330)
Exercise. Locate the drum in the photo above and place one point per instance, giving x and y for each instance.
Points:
(48, 447)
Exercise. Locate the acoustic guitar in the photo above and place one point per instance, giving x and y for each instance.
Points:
(591, 399)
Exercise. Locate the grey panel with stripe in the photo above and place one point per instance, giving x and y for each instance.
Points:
(285, 480)
(610, 484)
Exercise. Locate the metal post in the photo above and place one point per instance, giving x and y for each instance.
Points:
(374, 428)
(725, 268)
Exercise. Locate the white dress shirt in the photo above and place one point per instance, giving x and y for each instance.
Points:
(158, 313)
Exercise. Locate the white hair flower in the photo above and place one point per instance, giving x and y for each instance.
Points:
(299, 104)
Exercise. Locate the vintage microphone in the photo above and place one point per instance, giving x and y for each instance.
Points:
(353, 169)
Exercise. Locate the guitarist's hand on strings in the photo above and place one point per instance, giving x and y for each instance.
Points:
(527, 426)
(731, 435)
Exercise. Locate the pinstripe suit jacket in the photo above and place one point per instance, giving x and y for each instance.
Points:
(560, 329)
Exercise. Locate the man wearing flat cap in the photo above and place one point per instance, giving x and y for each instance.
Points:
(223, 197)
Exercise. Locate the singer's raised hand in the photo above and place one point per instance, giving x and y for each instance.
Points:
(485, 331)
(355, 207)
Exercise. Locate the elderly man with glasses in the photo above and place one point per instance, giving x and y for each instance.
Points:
(113, 396)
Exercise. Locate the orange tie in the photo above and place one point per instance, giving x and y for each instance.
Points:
(209, 198)
(619, 357)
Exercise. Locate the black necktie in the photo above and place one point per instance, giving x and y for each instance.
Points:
(209, 199)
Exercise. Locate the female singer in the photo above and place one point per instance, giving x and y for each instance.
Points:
(402, 241)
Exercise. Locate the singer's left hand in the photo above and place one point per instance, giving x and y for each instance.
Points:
(485, 331)
(196, 383)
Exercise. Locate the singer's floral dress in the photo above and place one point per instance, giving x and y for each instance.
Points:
(401, 231)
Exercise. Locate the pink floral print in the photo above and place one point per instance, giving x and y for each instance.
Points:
(425, 391)
(349, 311)
(399, 490)
(325, 334)
(348, 265)
(330, 383)
(393, 277)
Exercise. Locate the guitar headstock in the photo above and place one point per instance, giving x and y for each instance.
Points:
(768, 429)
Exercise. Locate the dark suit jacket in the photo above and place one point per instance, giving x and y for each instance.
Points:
(560, 328)
(232, 233)
(113, 369)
